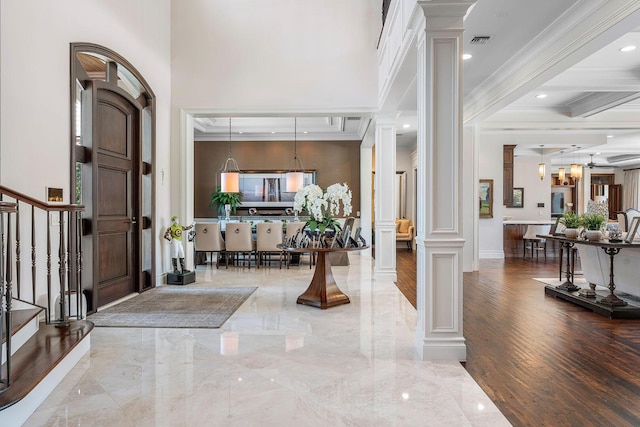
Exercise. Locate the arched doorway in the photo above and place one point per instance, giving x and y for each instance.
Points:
(112, 157)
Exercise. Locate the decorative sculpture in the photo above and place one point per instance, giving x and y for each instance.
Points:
(174, 236)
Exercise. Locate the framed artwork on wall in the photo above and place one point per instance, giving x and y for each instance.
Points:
(518, 197)
(486, 198)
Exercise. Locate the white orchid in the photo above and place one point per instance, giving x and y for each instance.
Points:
(321, 206)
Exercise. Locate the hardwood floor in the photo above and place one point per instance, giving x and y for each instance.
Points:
(543, 361)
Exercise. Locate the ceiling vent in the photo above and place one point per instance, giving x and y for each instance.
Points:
(480, 40)
(354, 118)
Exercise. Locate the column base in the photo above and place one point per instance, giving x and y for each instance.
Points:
(442, 349)
(382, 276)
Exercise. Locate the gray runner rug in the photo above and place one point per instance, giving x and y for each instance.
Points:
(193, 306)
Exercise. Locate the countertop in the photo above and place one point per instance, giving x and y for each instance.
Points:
(529, 221)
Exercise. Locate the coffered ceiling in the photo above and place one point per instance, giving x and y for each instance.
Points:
(316, 128)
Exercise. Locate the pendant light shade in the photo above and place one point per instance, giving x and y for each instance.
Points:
(295, 175)
(541, 166)
(230, 174)
(561, 175)
(576, 168)
(576, 171)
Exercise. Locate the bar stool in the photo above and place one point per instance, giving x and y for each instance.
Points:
(537, 243)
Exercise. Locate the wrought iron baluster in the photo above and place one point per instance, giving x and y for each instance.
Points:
(33, 254)
(48, 268)
(18, 249)
(62, 271)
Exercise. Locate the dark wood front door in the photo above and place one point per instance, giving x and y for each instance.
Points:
(116, 148)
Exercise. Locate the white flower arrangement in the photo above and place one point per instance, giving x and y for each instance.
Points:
(323, 205)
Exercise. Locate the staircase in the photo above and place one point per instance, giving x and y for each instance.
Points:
(40, 345)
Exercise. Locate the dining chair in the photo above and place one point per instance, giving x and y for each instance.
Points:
(239, 239)
(536, 243)
(208, 238)
(268, 236)
(292, 238)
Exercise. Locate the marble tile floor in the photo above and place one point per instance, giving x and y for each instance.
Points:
(273, 363)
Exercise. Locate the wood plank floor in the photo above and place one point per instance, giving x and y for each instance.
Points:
(543, 361)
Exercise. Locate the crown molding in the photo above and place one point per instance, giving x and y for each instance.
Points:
(583, 29)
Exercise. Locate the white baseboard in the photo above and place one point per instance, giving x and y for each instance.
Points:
(491, 254)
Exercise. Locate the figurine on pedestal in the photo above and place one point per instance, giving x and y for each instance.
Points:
(174, 235)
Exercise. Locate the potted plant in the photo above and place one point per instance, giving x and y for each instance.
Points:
(226, 202)
(593, 222)
(572, 221)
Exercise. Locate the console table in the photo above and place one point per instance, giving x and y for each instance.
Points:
(323, 292)
(608, 304)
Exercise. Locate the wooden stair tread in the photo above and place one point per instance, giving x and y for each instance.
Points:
(39, 355)
(19, 319)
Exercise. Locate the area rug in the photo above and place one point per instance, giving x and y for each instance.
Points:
(193, 306)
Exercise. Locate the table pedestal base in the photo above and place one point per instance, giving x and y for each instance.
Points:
(323, 292)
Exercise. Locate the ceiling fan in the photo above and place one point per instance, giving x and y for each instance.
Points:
(592, 164)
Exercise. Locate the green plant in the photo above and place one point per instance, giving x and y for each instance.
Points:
(593, 221)
(571, 220)
(220, 199)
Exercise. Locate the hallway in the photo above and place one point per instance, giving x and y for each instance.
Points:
(273, 363)
(543, 361)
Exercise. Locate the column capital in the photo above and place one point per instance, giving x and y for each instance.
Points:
(445, 14)
(382, 119)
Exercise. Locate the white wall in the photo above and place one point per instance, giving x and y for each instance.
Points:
(277, 53)
(535, 190)
(34, 81)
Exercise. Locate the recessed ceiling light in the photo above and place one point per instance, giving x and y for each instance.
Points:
(466, 56)
(273, 131)
(240, 132)
(627, 48)
(541, 96)
(305, 131)
(406, 125)
(609, 136)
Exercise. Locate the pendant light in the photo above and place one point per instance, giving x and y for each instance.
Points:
(561, 175)
(541, 165)
(295, 175)
(230, 175)
(576, 168)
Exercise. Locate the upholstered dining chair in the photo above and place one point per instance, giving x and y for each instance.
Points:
(268, 236)
(209, 239)
(239, 239)
(535, 243)
(294, 231)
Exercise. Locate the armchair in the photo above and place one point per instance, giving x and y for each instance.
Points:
(405, 232)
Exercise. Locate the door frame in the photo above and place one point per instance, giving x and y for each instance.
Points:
(146, 103)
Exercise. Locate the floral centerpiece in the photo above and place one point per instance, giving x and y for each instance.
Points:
(323, 206)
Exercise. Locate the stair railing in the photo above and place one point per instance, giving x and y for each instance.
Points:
(51, 228)
(7, 210)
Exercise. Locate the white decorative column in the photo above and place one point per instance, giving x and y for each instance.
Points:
(439, 224)
(385, 193)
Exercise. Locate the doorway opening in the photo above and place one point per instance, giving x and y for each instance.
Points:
(112, 157)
